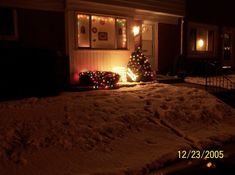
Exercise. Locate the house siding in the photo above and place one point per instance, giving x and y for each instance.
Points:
(98, 60)
(35, 59)
(41, 29)
(165, 6)
(54, 5)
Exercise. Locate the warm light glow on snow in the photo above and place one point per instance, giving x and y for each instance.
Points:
(122, 72)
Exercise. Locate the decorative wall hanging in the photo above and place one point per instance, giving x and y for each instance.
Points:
(103, 36)
(83, 30)
(94, 30)
(102, 22)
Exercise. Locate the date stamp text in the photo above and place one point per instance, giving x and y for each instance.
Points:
(200, 154)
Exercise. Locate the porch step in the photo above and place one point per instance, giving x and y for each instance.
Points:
(169, 79)
(228, 70)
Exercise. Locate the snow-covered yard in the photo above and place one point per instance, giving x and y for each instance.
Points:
(118, 131)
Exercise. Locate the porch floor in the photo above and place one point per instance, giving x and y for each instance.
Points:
(169, 79)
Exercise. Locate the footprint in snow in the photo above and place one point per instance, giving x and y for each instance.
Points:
(180, 98)
(148, 102)
(164, 106)
(157, 96)
(168, 99)
(150, 141)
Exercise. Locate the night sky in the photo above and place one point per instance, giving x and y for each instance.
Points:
(220, 12)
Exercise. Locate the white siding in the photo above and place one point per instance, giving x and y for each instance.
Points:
(99, 59)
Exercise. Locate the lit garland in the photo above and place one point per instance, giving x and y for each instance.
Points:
(140, 67)
(99, 80)
(122, 27)
(101, 19)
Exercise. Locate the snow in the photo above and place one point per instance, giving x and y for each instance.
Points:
(127, 130)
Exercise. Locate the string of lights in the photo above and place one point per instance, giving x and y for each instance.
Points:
(99, 79)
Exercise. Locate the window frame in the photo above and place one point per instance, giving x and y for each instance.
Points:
(90, 34)
(192, 41)
(195, 38)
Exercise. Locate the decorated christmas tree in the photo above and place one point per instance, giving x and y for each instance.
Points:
(139, 68)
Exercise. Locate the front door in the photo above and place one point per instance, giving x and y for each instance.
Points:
(227, 49)
(168, 47)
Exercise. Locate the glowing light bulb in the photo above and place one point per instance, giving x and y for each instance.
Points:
(136, 30)
(200, 43)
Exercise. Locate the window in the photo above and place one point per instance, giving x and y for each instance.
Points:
(83, 30)
(7, 24)
(147, 40)
(201, 40)
(101, 32)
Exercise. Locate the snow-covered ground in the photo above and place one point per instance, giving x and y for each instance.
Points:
(127, 130)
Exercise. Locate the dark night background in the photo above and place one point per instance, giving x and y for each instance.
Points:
(220, 12)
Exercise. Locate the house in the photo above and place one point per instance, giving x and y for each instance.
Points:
(209, 33)
(103, 34)
(97, 34)
(32, 47)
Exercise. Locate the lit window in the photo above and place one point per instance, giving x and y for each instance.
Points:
(83, 32)
(201, 40)
(101, 32)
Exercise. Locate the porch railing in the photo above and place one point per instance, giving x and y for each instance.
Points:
(216, 80)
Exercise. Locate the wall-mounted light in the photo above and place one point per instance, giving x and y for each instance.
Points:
(136, 30)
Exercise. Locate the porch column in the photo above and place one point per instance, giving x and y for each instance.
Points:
(181, 24)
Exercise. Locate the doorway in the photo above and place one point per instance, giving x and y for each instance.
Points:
(168, 47)
(227, 49)
(147, 42)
